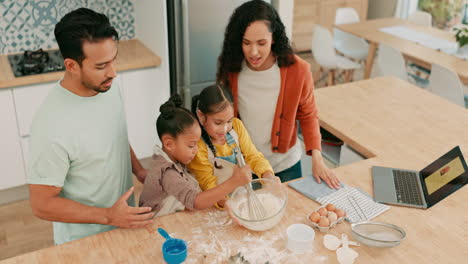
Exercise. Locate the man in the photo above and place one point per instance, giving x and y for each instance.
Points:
(81, 162)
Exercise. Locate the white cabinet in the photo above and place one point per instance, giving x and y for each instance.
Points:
(11, 159)
(144, 92)
(28, 99)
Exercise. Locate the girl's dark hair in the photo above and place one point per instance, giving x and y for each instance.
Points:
(174, 119)
(81, 25)
(231, 56)
(213, 99)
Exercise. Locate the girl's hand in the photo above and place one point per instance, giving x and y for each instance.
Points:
(228, 208)
(272, 176)
(242, 175)
(322, 172)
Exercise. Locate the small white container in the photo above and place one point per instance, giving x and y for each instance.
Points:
(300, 237)
(322, 228)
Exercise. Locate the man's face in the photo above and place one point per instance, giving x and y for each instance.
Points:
(98, 68)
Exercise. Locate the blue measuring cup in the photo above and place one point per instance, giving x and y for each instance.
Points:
(174, 250)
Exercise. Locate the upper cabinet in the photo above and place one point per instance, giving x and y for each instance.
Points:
(307, 13)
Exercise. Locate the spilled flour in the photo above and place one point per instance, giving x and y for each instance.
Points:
(217, 238)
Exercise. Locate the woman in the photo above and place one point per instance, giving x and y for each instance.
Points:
(272, 88)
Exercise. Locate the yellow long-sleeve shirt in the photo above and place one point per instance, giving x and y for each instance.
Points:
(203, 170)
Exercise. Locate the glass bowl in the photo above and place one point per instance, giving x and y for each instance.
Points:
(273, 196)
(377, 234)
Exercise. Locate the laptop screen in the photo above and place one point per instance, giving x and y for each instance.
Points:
(444, 176)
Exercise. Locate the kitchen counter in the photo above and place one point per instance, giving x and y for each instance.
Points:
(132, 55)
(380, 118)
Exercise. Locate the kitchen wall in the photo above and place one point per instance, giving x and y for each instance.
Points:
(29, 24)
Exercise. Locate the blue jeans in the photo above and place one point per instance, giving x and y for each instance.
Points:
(291, 173)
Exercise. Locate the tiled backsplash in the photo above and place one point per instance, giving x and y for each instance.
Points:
(29, 24)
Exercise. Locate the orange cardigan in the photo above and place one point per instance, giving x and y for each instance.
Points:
(296, 101)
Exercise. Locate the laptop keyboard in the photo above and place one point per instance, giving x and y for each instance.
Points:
(406, 185)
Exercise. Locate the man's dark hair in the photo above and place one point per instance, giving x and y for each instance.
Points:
(81, 25)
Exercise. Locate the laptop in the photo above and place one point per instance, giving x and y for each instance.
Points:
(421, 189)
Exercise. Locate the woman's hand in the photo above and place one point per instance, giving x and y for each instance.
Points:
(322, 172)
(272, 176)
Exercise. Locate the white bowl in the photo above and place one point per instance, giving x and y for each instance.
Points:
(378, 234)
(274, 197)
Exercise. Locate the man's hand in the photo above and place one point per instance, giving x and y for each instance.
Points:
(122, 215)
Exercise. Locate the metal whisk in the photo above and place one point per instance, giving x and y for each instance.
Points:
(255, 206)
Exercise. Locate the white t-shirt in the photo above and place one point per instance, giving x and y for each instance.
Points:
(81, 145)
(258, 96)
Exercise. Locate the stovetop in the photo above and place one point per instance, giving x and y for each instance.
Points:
(36, 62)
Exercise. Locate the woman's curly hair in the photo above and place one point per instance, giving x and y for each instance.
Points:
(232, 56)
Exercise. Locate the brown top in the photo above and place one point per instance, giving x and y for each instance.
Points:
(296, 101)
(165, 179)
(132, 55)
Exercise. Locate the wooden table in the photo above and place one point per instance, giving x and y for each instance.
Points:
(417, 53)
(391, 122)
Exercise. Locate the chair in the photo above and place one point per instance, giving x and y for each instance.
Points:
(421, 18)
(348, 44)
(391, 62)
(325, 55)
(446, 83)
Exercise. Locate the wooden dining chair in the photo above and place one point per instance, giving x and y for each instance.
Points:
(421, 18)
(324, 54)
(346, 43)
(390, 61)
(446, 83)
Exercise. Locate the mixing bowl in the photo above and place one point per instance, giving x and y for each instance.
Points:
(272, 195)
(377, 234)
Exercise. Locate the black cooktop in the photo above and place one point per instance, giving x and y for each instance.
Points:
(36, 62)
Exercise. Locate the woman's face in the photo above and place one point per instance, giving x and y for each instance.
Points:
(219, 124)
(256, 46)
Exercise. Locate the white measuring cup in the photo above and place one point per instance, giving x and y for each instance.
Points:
(345, 254)
(331, 242)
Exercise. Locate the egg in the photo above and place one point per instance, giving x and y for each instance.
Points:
(314, 217)
(332, 217)
(330, 207)
(324, 222)
(340, 213)
(322, 211)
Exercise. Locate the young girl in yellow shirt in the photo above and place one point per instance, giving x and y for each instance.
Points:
(169, 186)
(222, 136)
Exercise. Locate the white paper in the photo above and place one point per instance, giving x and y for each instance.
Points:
(358, 206)
(421, 38)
